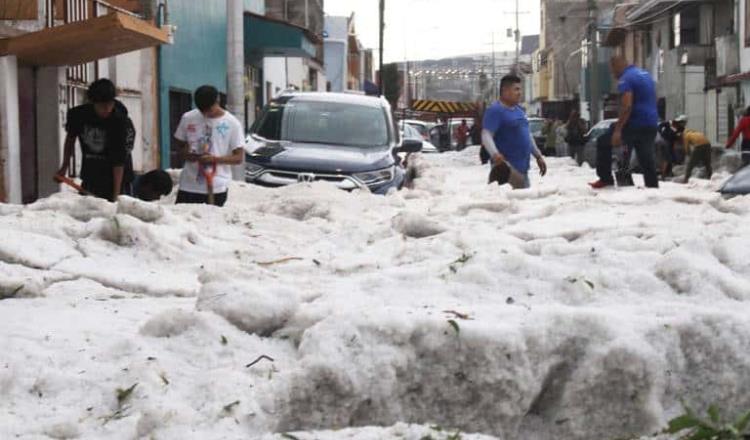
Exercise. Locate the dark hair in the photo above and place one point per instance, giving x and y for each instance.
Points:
(159, 182)
(101, 90)
(747, 112)
(509, 80)
(205, 97)
(574, 117)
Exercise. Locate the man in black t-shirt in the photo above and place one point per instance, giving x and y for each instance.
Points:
(106, 134)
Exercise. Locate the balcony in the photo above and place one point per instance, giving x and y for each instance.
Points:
(541, 84)
(727, 55)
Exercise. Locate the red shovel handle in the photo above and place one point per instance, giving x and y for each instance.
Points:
(71, 183)
(209, 172)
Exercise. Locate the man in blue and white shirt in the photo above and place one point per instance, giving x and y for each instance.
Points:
(506, 135)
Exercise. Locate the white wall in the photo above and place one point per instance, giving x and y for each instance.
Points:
(50, 116)
(10, 137)
(284, 72)
(274, 71)
(336, 64)
(744, 55)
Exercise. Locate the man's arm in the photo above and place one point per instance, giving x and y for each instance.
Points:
(233, 159)
(737, 131)
(538, 155)
(117, 174)
(70, 144)
(184, 149)
(626, 108)
(535, 151)
(119, 154)
(488, 142)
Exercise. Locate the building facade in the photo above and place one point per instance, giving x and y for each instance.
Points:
(692, 49)
(47, 61)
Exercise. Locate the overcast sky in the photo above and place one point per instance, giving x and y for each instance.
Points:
(422, 29)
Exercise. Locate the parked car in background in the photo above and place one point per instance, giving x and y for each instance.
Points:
(345, 139)
(409, 132)
(536, 126)
(589, 149)
(422, 127)
(454, 124)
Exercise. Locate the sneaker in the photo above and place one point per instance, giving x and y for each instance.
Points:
(599, 184)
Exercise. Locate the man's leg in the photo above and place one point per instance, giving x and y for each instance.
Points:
(604, 160)
(643, 144)
(220, 199)
(191, 198)
(706, 156)
(692, 162)
(98, 189)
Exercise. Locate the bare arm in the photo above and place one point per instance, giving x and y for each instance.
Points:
(626, 108)
(233, 159)
(70, 144)
(117, 173)
(185, 153)
(538, 156)
(488, 141)
(535, 148)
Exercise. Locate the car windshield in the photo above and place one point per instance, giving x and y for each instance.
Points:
(330, 123)
(411, 133)
(600, 128)
(421, 129)
(535, 125)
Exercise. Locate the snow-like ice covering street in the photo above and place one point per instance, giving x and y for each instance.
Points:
(550, 313)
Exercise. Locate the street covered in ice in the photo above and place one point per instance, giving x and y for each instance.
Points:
(312, 313)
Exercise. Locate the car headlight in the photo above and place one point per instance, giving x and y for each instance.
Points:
(253, 168)
(376, 177)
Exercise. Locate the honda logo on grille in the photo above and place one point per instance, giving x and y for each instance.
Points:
(306, 178)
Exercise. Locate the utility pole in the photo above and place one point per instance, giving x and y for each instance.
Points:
(517, 33)
(494, 70)
(382, 32)
(594, 97)
(236, 68)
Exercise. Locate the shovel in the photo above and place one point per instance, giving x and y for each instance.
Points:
(504, 173)
(208, 173)
(71, 183)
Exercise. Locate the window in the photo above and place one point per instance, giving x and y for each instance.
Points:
(686, 26)
(328, 123)
(180, 102)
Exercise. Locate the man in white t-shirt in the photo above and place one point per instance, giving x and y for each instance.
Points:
(210, 140)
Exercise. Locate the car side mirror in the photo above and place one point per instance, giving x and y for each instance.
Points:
(410, 146)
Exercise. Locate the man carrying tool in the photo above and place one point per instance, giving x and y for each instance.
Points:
(106, 135)
(507, 138)
(210, 140)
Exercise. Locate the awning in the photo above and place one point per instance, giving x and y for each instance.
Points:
(729, 80)
(265, 36)
(84, 41)
(654, 8)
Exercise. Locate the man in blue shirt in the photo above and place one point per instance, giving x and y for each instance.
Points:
(638, 120)
(506, 135)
